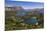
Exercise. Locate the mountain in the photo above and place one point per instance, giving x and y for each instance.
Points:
(26, 12)
(41, 11)
(22, 12)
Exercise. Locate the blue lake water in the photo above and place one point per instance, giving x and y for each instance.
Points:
(30, 21)
(21, 13)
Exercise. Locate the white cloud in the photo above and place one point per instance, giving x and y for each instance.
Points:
(31, 7)
(30, 0)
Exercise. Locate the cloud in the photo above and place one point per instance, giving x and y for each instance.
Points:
(29, 7)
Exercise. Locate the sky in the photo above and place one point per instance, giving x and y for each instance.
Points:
(26, 5)
(28, 0)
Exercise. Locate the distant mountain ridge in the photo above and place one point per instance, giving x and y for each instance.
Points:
(22, 12)
(31, 10)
